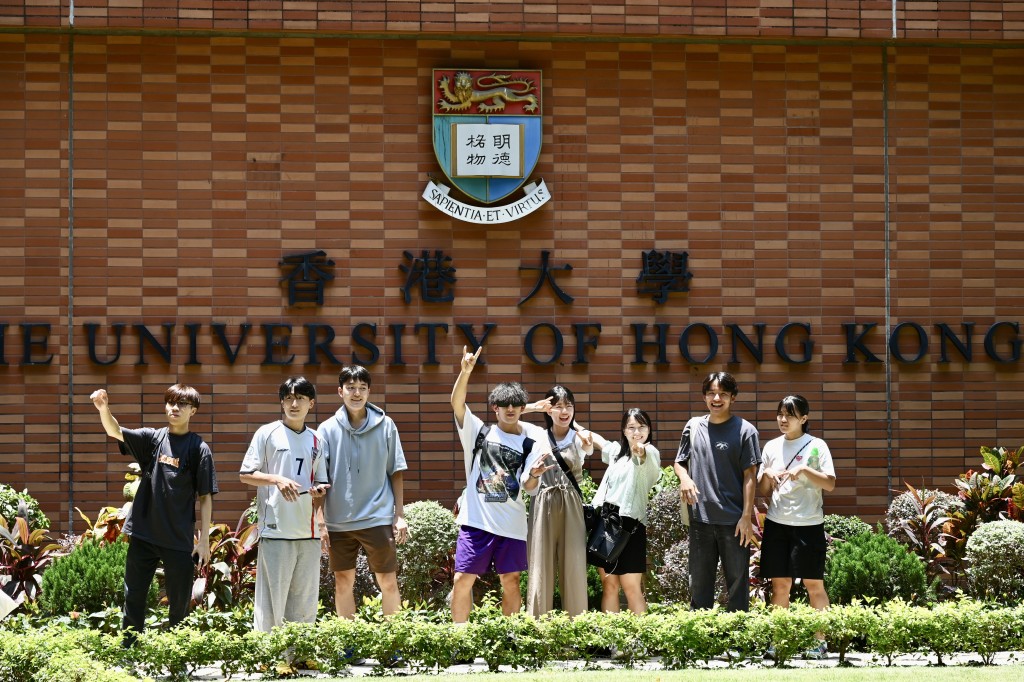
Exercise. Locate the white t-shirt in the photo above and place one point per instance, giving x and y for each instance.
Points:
(797, 502)
(493, 500)
(276, 449)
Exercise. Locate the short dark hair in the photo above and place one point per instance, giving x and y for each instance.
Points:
(644, 419)
(726, 382)
(508, 393)
(558, 393)
(795, 406)
(180, 393)
(298, 386)
(354, 373)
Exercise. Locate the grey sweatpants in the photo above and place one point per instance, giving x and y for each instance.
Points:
(287, 582)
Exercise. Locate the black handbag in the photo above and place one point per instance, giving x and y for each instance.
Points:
(608, 538)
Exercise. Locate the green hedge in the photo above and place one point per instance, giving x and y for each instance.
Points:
(681, 638)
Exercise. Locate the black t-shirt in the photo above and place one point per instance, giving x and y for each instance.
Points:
(164, 511)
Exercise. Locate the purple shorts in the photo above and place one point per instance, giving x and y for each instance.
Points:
(478, 551)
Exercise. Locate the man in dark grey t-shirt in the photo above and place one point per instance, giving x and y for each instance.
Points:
(717, 463)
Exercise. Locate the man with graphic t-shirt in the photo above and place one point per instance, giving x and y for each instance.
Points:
(177, 467)
(492, 516)
(286, 464)
(717, 463)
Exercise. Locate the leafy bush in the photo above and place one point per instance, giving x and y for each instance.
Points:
(682, 638)
(873, 566)
(365, 586)
(427, 557)
(11, 501)
(88, 579)
(24, 555)
(994, 493)
(673, 577)
(995, 562)
(905, 508)
(840, 527)
(230, 577)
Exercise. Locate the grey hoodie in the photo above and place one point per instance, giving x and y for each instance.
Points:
(360, 463)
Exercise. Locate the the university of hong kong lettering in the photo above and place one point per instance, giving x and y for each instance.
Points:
(306, 274)
(432, 274)
(487, 139)
(664, 273)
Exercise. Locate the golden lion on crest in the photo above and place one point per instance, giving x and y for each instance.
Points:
(498, 88)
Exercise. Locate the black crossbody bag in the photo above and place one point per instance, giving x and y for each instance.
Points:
(589, 513)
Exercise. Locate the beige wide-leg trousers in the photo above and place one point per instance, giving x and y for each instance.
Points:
(556, 546)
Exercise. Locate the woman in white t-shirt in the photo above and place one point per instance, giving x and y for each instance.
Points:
(797, 467)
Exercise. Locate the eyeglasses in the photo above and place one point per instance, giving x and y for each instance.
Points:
(180, 404)
(712, 394)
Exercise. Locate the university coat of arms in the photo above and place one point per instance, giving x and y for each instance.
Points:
(487, 139)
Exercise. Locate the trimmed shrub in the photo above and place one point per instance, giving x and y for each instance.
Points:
(995, 562)
(873, 566)
(427, 558)
(840, 527)
(11, 499)
(88, 579)
(673, 577)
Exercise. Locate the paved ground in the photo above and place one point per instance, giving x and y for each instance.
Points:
(479, 666)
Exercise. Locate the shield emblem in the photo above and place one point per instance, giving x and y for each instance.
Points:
(487, 129)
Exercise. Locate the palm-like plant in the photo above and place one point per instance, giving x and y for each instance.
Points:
(231, 574)
(24, 555)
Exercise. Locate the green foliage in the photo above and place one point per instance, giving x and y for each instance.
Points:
(995, 562)
(680, 637)
(994, 493)
(874, 567)
(790, 631)
(840, 527)
(88, 579)
(514, 641)
(427, 558)
(844, 624)
(11, 501)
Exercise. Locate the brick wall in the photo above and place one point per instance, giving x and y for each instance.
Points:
(947, 19)
(200, 160)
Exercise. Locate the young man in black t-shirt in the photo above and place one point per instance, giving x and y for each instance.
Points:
(177, 467)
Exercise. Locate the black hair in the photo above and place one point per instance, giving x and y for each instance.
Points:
(795, 406)
(180, 393)
(726, 382)
(558, 393)
(354, 373)
(508, 393)
(298, 386)
(643, 418)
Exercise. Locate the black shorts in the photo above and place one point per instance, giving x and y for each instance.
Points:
(792, 551)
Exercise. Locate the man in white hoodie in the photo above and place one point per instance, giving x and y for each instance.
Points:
(364, 505)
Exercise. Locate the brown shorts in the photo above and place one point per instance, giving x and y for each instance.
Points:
(378, 543)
